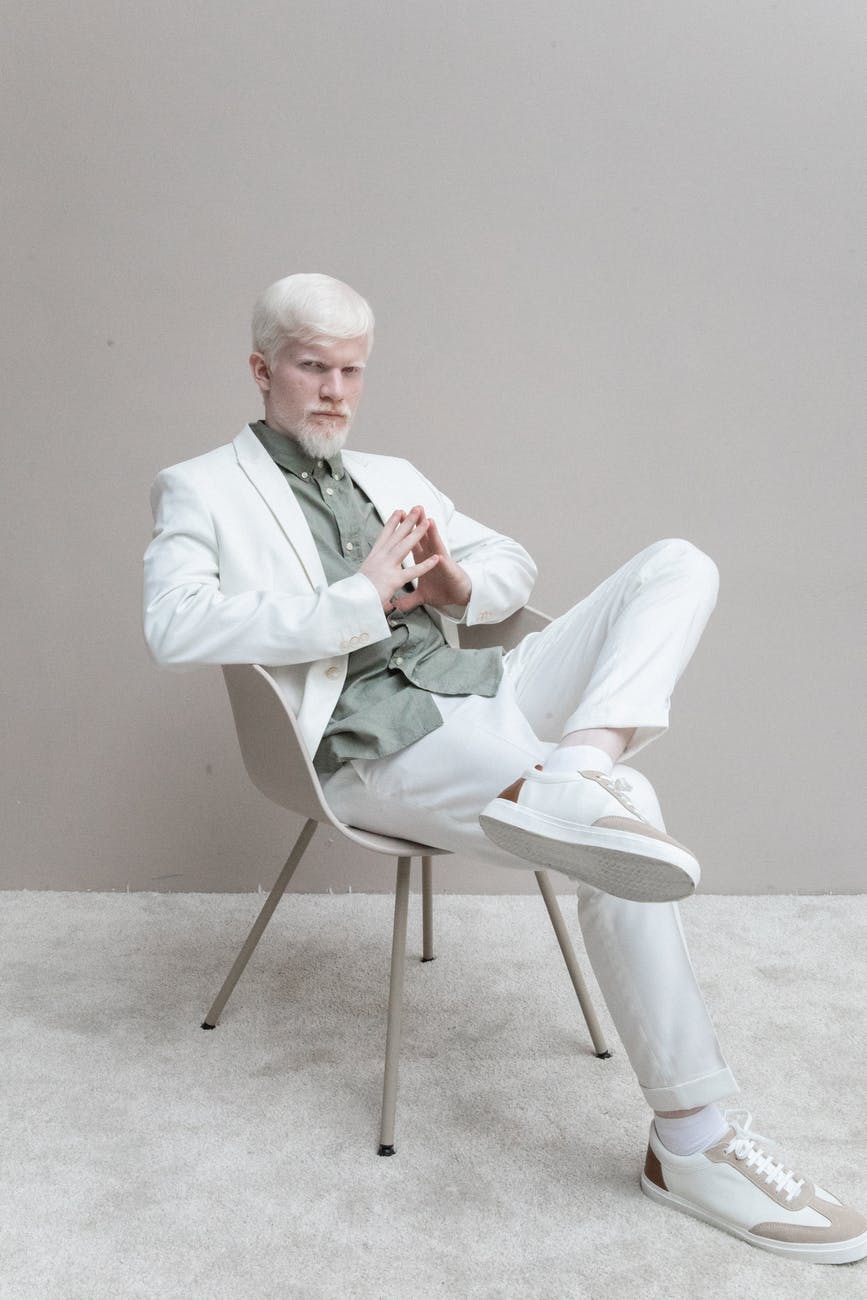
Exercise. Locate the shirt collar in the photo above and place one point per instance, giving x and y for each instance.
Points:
(292, 457)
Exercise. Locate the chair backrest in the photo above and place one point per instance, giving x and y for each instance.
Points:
(272, 747)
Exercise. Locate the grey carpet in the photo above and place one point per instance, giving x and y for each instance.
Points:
(143, 1157)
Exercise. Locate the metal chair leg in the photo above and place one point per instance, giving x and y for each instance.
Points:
(210, 1021)
(427, 952)
(547, 891)
(395, 1008)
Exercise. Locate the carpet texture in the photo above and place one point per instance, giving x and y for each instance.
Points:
(145, 1158)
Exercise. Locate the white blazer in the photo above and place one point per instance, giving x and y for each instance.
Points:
(232, 574)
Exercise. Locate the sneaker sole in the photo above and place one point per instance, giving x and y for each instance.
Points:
(613, 861)
(834, 1252)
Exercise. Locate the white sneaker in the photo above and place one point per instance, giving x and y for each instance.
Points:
(584, 824)
(739, 1185)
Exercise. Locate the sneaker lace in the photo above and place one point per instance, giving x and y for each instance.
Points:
(747, 1145)
(617, 788)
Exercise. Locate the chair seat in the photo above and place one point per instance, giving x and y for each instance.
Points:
(386, 844)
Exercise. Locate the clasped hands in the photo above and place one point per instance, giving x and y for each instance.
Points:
(441, 581)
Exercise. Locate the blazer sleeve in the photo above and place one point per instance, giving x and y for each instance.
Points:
(502, 573)
(188, 620)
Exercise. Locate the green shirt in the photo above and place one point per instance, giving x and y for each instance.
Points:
(386, 699)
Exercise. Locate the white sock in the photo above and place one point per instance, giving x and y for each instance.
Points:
(691, 1133)
(578, 758)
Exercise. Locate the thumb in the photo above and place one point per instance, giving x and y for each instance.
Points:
(405, 604)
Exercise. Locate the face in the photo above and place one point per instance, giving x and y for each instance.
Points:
(312, 390)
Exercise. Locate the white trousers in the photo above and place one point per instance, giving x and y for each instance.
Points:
(611, 661)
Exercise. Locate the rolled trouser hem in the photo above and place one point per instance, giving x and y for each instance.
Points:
(695, 1092)
(649, 725)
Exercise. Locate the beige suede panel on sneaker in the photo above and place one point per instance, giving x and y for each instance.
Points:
(638, 828)
(845, 1223)
(719, 1156)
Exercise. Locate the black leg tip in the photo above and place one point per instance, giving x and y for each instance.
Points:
(428, 959)
(205, 1025)
(603, 1056)
(386, 1150)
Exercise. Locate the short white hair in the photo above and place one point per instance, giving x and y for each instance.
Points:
(309, 307)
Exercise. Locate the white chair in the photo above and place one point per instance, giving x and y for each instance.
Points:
(279, 765)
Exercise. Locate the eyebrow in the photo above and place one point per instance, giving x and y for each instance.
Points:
(354, 365)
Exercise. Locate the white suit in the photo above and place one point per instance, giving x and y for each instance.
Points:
(233, 575)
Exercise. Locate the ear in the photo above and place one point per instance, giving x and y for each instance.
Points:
(260, 371)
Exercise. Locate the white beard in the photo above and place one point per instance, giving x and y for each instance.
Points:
(319, 442)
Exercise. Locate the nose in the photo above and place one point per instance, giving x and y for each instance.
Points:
(332, 384)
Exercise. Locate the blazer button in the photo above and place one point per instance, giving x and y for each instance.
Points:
(333, 671)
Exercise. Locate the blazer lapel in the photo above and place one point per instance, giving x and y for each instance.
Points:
(269, 481)
(385, 490)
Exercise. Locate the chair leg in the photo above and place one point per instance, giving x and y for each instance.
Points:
(547, 891)
(427, 952)
(395, 1008)
(210, 1021)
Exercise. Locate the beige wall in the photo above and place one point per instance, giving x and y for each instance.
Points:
(616, 253)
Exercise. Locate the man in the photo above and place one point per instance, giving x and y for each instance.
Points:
(339, 571)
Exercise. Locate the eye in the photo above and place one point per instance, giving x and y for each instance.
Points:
(352, 370)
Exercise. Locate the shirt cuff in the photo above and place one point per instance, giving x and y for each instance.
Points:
(373, 601)
(454, 613)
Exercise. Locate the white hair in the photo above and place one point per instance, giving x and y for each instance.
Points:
(311, 308)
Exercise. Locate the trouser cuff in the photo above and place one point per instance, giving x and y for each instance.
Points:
(695, 1092)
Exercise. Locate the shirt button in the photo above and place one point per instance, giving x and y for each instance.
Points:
(329, 492)
(319, 463)
(364, 637)
(349, 546)
(336, 476)
(398, 660)
(333, 671)
(304, 474)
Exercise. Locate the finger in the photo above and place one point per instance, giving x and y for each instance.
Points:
(409, 521)
(395, 523)
(435, 541)
(392, 523)
(410, 599)
(401, 545)
(418, 570)
(423, 547)
(408, 603)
